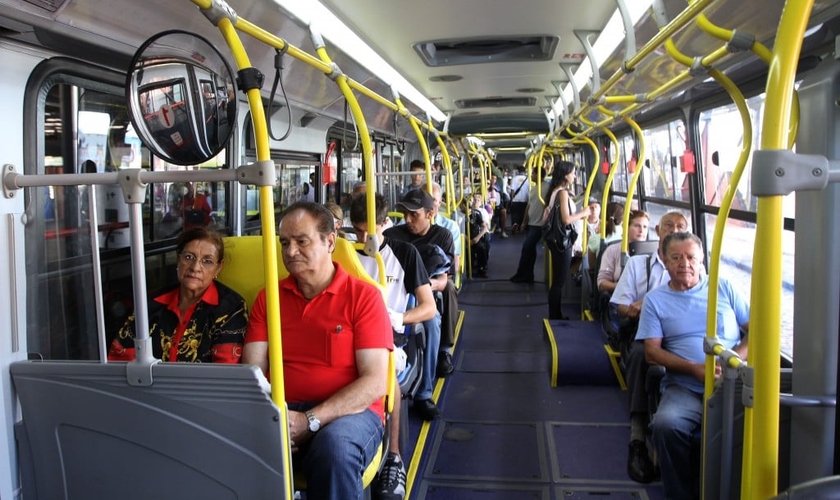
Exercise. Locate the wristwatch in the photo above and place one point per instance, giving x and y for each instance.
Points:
(314, 423)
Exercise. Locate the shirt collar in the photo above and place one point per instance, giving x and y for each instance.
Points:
(336, 285)
(172, 297)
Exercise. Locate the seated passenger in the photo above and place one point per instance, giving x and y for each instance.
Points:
(336, 339)
(673, 325)
(417, 207)
(199, 320)
(445, 222)
(405, 275)
(338, 215)
(641, 274)
(611, 267)
(479, 237)
(613, 230)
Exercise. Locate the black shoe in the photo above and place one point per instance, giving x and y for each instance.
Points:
(639, 465)
(426, 409)
(444, 364)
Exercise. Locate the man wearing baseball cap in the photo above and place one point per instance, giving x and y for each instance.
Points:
(417, 207)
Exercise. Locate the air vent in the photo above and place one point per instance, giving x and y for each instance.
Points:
(446, 78)
(487, 50)
(531, 90)
(496, 102)
(50, 5)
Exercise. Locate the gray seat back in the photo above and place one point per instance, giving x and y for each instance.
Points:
(199, 431)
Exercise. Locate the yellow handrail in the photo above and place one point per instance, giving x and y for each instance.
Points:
(720, 224)
(586, 140)
(631, 187)
(269, 241)
(608, 185)
(367, 151)
(761, 455)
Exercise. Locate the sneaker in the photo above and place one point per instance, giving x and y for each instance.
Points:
(390, 483)
(504, 234)
(444, 364)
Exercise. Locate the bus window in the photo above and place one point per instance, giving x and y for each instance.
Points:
(665, 145)
(736, 265)
(721, 139)
(627, 148)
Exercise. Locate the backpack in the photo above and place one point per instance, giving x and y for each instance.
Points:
(557, 236)
(475, 221)
(434, 259)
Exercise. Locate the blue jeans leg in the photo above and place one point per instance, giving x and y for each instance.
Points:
(430, 357)
(528, 257)
(337, 455)
(676, 430)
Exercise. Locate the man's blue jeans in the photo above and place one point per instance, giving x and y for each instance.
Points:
(676, 436)
(427, 381)
(335, 458)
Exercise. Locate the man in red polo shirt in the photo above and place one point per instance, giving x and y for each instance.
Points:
(336, 342)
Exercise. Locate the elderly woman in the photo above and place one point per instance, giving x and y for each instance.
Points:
(199, 320)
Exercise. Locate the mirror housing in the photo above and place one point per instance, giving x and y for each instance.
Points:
(181, 96)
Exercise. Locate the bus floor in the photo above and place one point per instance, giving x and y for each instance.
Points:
(504, 431)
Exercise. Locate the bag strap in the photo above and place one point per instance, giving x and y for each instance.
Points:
(518, 189)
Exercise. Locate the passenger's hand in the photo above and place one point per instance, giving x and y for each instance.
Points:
(634, 309)
(396, 320)
(298, 429)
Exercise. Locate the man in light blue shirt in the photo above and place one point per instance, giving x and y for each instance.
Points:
(641, 274)
(673, 326)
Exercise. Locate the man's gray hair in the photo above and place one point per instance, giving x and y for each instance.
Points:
(679, 238)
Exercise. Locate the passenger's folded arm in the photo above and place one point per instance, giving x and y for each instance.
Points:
(356, 396)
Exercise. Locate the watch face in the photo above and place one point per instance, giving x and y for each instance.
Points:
(314, 423)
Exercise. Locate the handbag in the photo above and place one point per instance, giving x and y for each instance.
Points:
(558, 237)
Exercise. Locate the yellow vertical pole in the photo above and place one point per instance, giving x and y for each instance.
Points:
(761, 427)
(631, 188)
(608, 182)
(589, 184)
(272, 294)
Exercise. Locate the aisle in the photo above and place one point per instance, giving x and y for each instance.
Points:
(505, 432)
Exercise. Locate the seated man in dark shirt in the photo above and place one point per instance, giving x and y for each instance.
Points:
(418, 208)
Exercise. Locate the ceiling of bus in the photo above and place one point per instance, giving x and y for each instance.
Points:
(392, 29)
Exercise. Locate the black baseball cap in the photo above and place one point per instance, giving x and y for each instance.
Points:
(416, 199)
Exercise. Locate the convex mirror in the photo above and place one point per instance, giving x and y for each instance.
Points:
(182, 97)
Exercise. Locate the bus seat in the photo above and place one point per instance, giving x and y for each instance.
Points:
(647, 247)
(87, 433)
(244, 270)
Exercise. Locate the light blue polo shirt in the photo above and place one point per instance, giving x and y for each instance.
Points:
(679, 319)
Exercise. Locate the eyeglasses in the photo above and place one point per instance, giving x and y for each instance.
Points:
(189, 259)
